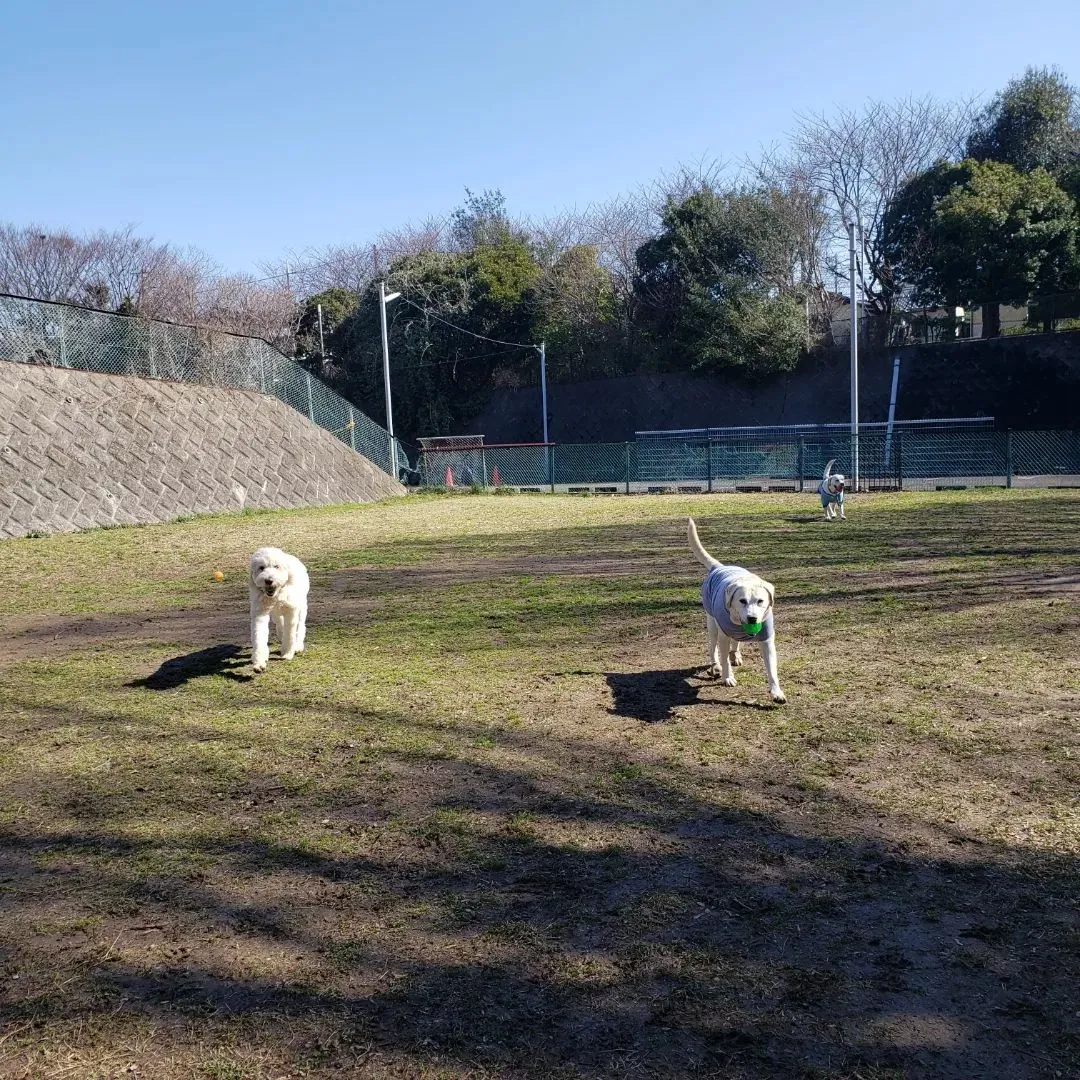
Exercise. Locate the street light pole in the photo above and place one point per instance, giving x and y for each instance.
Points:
(384, 299)
(542, 350)
(854, 360)
(543, 385)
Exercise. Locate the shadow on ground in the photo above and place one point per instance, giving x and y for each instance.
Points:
(225, 660)
(438, 922)
(652, 696)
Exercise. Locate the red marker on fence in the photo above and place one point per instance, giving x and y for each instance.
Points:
(496, 479)
(449, 476)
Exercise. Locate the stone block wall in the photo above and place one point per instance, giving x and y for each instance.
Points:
(79, 450)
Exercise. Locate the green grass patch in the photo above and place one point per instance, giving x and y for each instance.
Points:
(497, 822)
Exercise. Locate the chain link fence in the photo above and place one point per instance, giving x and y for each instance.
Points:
(900, 459)
(1041, 315)
(918, 456)
(42, 332)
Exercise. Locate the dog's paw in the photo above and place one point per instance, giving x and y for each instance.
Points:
(729, 681)
(258, 668)
(713, 670)
(779, 697)
(288, 655)
(736, 659)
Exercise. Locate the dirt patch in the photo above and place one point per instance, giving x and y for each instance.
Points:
(536, 843)
(347, 594)
(53, 636)
(462, 571)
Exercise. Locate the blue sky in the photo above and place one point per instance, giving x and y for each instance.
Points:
(251, 129)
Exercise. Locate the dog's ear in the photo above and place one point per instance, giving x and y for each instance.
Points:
(769, 588)
(729, 594)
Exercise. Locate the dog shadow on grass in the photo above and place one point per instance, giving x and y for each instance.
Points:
(653, 696)
(223, 660)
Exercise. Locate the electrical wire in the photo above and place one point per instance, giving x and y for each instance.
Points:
(449, 363)
(461, 329)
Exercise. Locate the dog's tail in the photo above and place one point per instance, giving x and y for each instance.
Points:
(700, 553)
(828, 469)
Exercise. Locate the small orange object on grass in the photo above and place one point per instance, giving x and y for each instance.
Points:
(218, 575)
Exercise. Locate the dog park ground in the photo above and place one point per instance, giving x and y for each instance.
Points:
(496, 823)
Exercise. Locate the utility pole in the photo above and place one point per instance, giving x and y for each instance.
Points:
(384, 299)
(854, 359)
(322, 344)
(542, 349)
(543, 385)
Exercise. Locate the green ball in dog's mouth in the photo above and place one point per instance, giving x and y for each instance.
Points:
(752, 627)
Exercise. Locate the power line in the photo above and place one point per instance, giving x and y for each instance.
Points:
(462, 330)
(447, 363)
(284, 275)
(423, 311)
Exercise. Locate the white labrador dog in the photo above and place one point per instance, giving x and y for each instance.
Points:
(831, 490)
(738, 607)
(278, 584)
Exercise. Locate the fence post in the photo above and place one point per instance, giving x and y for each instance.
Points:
(551, 467)
(801, 463)
(310, 403)
(627, 446)
(900, 458)
(352, 428)
(63, 340)
(483, 465)
(1008, 459)
(708, 456)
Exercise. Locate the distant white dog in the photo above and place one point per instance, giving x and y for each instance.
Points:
(278, 584)
(738, 607)
(831, 490)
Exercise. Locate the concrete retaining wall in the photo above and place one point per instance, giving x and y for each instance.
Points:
(79, 450)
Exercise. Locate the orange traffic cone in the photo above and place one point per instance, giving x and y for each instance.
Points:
(449, 476)
(496, 479)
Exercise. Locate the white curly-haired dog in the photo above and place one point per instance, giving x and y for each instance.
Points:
(278, 584)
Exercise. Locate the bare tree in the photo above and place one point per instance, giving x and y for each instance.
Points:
(120, 265)
(801, 204)
(552, 236)
(678, 184)
(617, 229)
(242, 305)
(122, 271)
(857, 161)
(44, 265)
(354, 266)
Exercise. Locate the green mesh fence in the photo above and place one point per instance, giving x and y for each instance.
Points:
(527, 467)
(911, 457)
(887, 461)
(38, 332)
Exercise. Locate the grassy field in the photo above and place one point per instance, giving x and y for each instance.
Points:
(497, 822)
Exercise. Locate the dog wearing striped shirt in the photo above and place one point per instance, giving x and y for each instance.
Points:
(738, 607)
